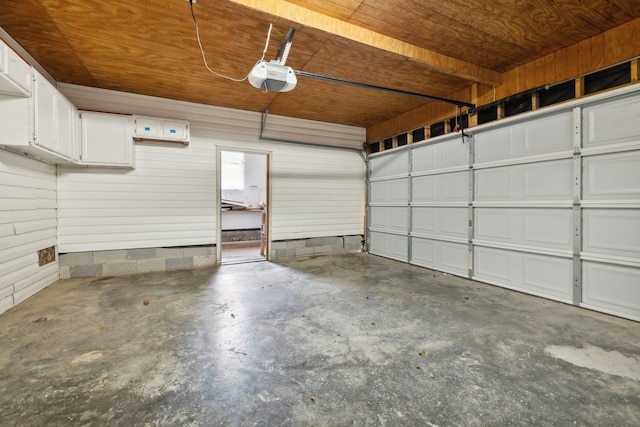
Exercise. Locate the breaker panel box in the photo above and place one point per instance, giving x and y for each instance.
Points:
(161, 130)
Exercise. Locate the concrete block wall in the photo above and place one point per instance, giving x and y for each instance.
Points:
(131, 261)
(315, 246)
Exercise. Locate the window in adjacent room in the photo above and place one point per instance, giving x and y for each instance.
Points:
(233, 167)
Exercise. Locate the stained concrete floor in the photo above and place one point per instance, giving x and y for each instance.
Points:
(327, 341)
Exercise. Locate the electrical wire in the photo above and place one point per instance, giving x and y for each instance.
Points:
(204, 59)
(456, 128)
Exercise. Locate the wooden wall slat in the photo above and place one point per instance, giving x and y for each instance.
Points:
(549, 69)
(598, 52)
(584, 56)
(560, 72)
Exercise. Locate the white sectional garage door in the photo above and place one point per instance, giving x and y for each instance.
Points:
(611, 206)
(546, 203)
(389, 206)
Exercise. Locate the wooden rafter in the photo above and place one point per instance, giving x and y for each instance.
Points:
(331, 25)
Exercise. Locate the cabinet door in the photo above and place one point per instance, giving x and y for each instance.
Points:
(148, 128)
(67, 122)
(107, 139)
(175, 130)
(15, 74)
(19, 71)
(46, 114)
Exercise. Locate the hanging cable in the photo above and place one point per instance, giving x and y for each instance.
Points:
(456, 128)
(459, 127)
(204, 59)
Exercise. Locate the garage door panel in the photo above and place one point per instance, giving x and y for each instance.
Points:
(389, 245)
(389, 165)
(444, 222)
(542, 228)
(442, 187)
(496, 144)
(612, 287)
(534, 181)
(391, 191)
(494, 184)
(551, 228)
(493, 265)
(423, 252)
(390, 218)
(612, 122)
(612, 232)
(455, 222)
(440, 255)
(549, 134)
(548, 275)
(542, 275)
(455, 258)
(612, 176)
(443, 155)
(546, 135)
(548, 180)
(423, 220)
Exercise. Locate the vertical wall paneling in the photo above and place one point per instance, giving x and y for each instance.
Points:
(546, 203)
(27, 225)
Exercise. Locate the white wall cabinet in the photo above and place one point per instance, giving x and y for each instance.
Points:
(43, 126)
(107, 139)
(15, 74)
(68, 143)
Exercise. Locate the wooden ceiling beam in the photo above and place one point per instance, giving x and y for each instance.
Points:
(434, 60)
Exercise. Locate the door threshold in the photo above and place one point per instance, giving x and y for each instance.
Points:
(242, 261)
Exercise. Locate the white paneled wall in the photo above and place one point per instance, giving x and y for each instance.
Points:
(169, 199)
(27, 224)
(547, 203)
(316, 192)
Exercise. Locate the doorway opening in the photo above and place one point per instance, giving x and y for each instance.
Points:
(243, 202)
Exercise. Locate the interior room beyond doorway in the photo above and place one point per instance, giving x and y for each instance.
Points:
(243, 205)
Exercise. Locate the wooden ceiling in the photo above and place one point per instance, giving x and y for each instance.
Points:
(434, 47)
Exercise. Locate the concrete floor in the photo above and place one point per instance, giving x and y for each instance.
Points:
(244, 251)
(329, 341)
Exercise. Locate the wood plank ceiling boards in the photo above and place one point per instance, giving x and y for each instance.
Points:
(435, 47)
